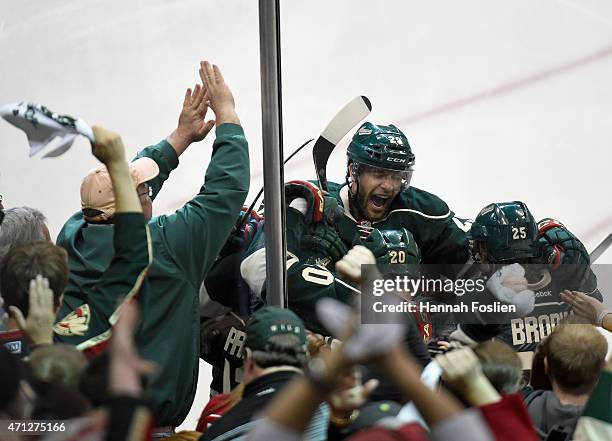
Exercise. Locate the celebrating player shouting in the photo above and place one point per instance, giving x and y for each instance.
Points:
(375, 207)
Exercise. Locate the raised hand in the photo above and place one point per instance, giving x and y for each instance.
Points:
(41, 314)
(108, 146)
(192, 126)
(192, 118)
(463, 372)
(219, 95)
(588, 307)
(351, 393)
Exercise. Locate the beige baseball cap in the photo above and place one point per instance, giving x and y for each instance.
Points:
(97, 197)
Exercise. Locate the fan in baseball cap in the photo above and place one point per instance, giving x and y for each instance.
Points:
(97, 197)
(270, 321)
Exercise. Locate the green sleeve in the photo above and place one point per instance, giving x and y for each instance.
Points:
(167, 160)
(195, 233)
(131, 259)
(124, 277)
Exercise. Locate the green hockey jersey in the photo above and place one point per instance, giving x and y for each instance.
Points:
(311, 274)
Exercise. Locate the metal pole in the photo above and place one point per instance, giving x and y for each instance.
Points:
(272, 129)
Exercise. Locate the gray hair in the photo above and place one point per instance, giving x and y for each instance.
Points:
(281, 350)
(21, 226)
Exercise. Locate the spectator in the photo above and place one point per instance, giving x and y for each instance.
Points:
(24, 263)
(186, 243)
(22, 225)
(58, 363)
(275, 347)
(501, 365)
(39, 302)
(574, 355)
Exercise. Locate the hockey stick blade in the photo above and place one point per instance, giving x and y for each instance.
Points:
(601, 248)
(347, 118)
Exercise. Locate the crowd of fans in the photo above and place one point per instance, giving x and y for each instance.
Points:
(101, 331)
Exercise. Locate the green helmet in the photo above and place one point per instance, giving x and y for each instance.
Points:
(381, 146)
(508, 230)
(393, 246)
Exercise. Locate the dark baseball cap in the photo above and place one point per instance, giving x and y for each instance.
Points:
(271, 321)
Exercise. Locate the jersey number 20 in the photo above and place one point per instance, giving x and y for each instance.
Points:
(397, 256)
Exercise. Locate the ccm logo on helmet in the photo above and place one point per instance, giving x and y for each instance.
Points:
(396, 159)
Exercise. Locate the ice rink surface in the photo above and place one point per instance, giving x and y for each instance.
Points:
(500, 100)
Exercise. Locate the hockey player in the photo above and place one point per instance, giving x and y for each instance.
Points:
(375, 207)
(554, 260)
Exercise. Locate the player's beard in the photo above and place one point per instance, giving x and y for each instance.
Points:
(372, 211)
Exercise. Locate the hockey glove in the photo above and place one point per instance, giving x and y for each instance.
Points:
(314, 202)
(563, 251)
(324, 240)
(559, 246)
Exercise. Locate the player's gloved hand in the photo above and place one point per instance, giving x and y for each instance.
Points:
(319, 215)
(563, 252)
(376, 243)
(559, 246)
(310, 201)
(323, 238)
(241, 237)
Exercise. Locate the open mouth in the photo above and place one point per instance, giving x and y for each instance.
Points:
(379, 201)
